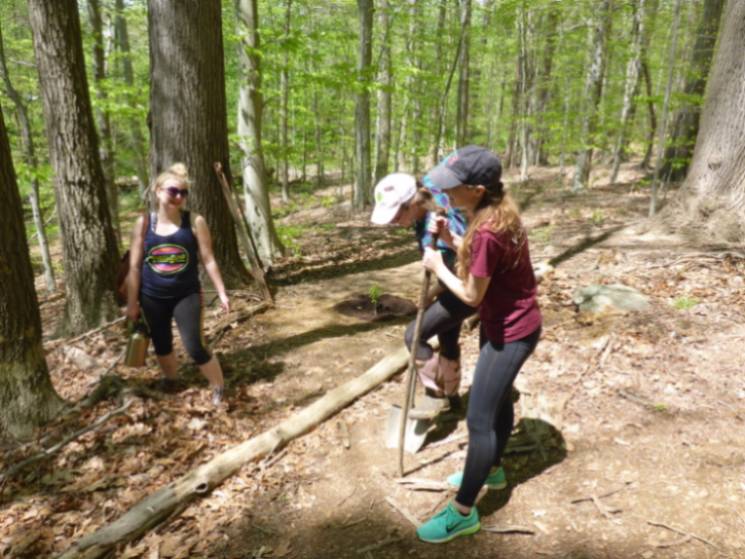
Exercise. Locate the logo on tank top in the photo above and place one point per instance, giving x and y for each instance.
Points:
(168, 259)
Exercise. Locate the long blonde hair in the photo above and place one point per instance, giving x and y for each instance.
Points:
(496, 212)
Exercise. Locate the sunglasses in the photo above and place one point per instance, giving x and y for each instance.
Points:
(173, 192)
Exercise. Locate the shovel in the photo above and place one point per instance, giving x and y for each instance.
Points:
(407, 428)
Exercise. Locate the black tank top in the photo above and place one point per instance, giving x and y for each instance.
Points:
(169, 267)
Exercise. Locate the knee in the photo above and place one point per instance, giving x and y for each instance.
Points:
(478, 424)
(409, 335)
(199, 353)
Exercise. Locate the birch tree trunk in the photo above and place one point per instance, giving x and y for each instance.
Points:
(631, 85)
(685, 127)
(29, 156)
(362, 107)
(436, 147)
(461, 119)
(250, 107)
(524, 80)
(714, 189)
(89, 250)
(284, 87)
(103, 120)
(191, 126)
(593, 91)
(27, 397)
(665, 108)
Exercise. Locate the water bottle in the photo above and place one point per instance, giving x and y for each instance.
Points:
(137, 345)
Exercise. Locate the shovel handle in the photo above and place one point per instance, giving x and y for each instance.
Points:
(411, 371)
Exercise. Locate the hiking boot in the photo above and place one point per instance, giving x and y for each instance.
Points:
(429, 406)
(448, 524)
(217, 394)
(495, 480)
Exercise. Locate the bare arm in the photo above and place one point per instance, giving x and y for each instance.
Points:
(136, 253)
(471, 290)
(208, 259)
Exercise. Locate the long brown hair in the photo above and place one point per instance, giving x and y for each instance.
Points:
(496, 212)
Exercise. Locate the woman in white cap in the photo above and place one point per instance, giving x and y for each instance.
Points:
(496, 276)
(401, 200)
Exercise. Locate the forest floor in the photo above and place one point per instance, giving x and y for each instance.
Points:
(631, 434)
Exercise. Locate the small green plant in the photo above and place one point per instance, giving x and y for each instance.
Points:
(685, 302)
(374, 294)
(597, 218)
(290, 235)
(660, 408)
(542, 234)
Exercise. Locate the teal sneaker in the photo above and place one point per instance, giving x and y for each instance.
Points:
(495, 480)
(448, 524)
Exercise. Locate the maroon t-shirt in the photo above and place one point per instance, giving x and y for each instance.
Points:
(509, 310)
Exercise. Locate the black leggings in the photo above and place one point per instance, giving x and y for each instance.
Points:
(188, 314)
(490, 410)
(442, 318)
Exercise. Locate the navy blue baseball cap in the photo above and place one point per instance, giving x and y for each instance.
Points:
(471, 165)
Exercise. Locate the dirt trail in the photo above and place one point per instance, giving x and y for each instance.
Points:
(652, 439)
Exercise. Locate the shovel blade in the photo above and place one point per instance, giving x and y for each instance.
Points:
(414, 436)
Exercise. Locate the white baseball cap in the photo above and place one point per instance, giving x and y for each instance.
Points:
(392, 191)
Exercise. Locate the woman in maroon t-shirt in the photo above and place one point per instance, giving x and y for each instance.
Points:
(495, 275)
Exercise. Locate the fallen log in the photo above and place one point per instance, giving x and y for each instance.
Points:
(169, 501)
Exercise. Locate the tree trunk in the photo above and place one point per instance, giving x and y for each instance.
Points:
(592, 93)
(665, 108)
(524, 73)
(441, 67)
(27, 398)
(318, 136)
(191, 126)
(715, 186)
(685, 127)
(446, 91)
(630, 86)
(103, 120)
(415, 96)
(29, 156)
(362, 108)
(137, 140)
(284, 87)
(383, 128)
(89, 249)
(250, 108)
(544, 85)
(461, 119)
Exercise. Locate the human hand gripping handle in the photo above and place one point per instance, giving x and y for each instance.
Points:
(438, 228)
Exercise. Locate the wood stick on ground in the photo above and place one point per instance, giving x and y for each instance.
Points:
(602, 495)
(455, 439)
(600, 357)
(405, 513)
(158, 506)
(54, 449)
(382, 543)
(679, 541)
(420, 484)
(343, 430)
(64, 342)
(509, 530)
(683, 533)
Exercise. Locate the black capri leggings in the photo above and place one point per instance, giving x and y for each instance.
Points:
(188, 314)
(491, 412)
(442, 318)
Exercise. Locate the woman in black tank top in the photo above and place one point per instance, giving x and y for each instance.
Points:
(163, 279)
